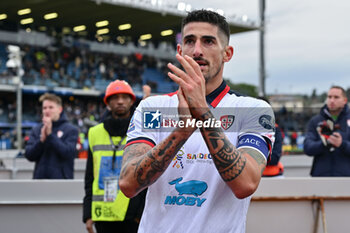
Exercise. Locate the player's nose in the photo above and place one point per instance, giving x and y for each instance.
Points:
(197, 50)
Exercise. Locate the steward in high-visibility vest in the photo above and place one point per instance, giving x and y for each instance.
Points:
(105, 206)
(107, 155)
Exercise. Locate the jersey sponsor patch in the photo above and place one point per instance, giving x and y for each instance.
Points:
(254, 141)
(185, 192)
(266, 121)
(178, 159)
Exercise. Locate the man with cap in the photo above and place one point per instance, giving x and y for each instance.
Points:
(105, 206)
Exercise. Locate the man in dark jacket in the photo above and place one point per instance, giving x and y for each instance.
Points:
(328, 136)
(115, 213)
(52, 144)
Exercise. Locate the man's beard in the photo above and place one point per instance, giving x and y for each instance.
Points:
(208, 77)
(121, 114)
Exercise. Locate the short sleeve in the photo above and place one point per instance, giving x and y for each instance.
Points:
(257, 128)
(136, 132)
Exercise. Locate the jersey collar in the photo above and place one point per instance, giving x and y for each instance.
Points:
(216, 96)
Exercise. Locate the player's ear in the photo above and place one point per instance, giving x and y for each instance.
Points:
(60, 109)
(228, 53)
(179, 49)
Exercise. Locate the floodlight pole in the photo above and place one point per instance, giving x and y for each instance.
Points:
(19, 109)
(262, 73)
(15, 62)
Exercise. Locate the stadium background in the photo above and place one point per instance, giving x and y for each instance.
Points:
(77, 63)
(75, 48)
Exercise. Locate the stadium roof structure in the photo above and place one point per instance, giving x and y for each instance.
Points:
(144, 16)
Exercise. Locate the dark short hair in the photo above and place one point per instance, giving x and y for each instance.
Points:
(340, 88)
(208, 17)
(51, 97)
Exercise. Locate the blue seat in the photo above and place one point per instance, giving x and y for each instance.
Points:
(163, 85)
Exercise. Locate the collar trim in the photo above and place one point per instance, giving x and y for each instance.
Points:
(218, 94)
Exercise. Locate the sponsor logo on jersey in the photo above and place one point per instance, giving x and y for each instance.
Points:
(181, 158)
(227, 121)
(266, 121)
(178, 163)
(188, 193)
(199, 156)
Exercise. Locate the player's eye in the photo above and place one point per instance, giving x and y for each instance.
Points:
(208, 41)
(189, 41)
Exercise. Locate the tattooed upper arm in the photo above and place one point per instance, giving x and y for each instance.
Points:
(256, 155)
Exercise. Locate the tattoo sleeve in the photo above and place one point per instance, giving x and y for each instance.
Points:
(144, 165)
(260, 160)
(228, 160)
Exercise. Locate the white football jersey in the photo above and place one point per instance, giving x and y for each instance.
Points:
(191, 196)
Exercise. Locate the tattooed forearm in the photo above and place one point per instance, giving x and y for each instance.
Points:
(234, 170)
(151, 166)
(147, 166)
(227, 159)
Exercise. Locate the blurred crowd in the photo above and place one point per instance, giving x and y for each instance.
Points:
(293, 126)
(78, 67)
